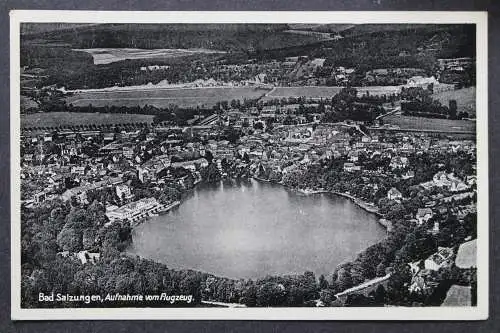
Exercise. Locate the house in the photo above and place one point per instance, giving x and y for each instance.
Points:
(40, 197)
(442, 210)
(442, 258)
(128, 152)
(150, 136)
(306, 159)
(80, 192)
(191, 165)
(441, 179)
(108, 137)
(418, 285)
(88, 257)
(375, 153)
(353, 156)
(435, 228)
(471, 180)
(351, 167)
(415, 267)
(449, 181)
(423, 215)
(28, 157)
(80, 170)
(398, 162)
(430, 203)
(123, 191)
(457, 185)
(394, 194)
(408, 174)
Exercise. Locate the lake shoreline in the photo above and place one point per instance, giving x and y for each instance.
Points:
(370, 208)
(360, 203)
(360, 222)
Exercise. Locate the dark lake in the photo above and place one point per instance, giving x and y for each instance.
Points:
(251, 229)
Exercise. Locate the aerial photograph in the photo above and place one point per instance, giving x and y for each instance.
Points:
(194, 165)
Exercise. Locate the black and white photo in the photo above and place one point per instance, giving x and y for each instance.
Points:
(306, 165)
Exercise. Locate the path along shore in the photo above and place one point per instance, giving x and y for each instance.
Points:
(362, 204)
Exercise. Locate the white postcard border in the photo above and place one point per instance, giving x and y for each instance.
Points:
(480, 312)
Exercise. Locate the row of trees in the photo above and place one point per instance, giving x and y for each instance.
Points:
(419, 102)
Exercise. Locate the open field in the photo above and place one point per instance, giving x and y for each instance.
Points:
(308, 92)
(103, 56)
(379, 90)
(321, 35)
(163, 97)
(326, 92)
(465, 97)
(66, 119)
(458, 296)
(430, 124)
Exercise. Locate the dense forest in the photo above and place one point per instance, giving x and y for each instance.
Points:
(224, 37)
(364, 48)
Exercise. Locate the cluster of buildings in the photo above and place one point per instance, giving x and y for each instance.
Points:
(423, 278)
(421, 270)
(149, 159)
(134, 211)
(392, 76)
(304, 70)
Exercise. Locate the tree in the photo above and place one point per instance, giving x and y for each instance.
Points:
(69, 240)
(249, 295)
(232, 134)
(258, 125)
(169, 194)
(358, 300)
(78, 219)
(344, 280)
(211, 173)
(96, 212)
(209, 156)
(452, 104)
(380, 271)
(379, 295)
(323, 283)
(327, 296)
(270, 294)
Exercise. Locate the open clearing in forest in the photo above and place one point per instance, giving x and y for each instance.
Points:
(104, 56)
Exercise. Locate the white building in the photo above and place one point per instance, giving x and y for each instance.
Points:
(394, 194)
(442, 258)
(88, 257)
(423, 215)
(134, 211)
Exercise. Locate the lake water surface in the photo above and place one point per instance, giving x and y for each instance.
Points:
(251, 229)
